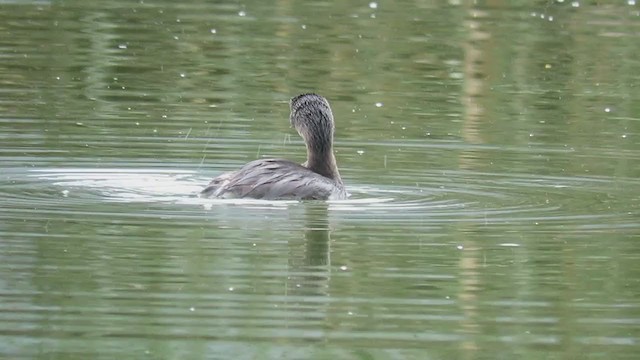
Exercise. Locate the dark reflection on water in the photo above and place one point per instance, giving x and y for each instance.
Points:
(491, 151)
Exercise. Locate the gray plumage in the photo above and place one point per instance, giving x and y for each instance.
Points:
(317, 179)
(273, 179)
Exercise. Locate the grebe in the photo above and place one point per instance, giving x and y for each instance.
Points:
(318, 178)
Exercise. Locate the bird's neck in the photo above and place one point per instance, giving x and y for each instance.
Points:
(323, 163)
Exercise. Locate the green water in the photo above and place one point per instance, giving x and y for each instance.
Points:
(492, 152)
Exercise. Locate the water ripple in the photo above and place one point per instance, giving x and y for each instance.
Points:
(467, 197)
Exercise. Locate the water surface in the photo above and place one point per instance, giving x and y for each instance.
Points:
(491, 151)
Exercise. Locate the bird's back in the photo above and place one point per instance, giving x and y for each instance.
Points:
(274, 179)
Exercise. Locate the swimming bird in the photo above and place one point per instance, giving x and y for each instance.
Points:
(317, 179)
